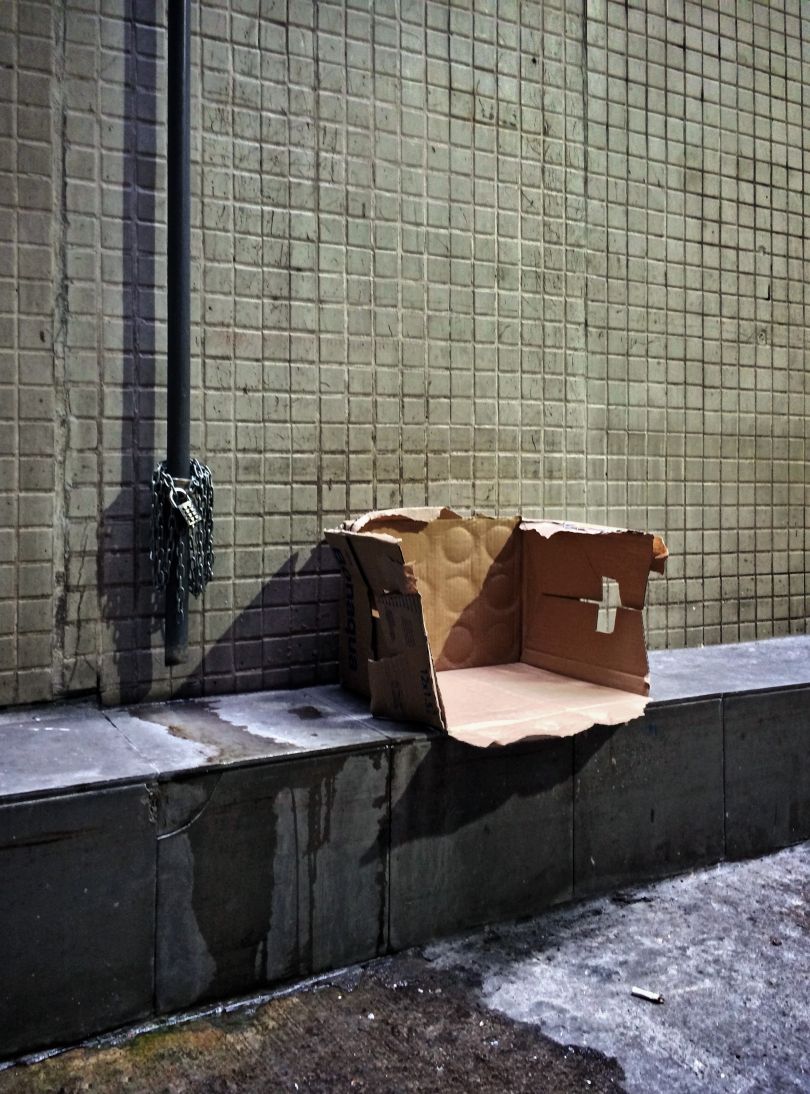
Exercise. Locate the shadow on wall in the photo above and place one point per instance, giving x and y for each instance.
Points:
(287, 635)
(128, 603)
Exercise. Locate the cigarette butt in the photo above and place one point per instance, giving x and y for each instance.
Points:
(650, 996)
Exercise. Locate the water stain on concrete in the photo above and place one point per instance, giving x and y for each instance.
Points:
(201, 723)
(306, 713)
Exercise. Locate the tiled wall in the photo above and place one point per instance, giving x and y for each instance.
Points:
(31, 378)
(504, 255)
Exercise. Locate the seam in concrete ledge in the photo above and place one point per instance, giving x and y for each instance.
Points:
(297, 844)
(216, 776)
(155, 769)
(573, 818)
(154, 803)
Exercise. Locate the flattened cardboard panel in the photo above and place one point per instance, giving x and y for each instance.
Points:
(468, 574)
(380, 560)
(476, 836)
(501, 704)
(356, 623)
(403, 687)
(572, 564)
(560, 635)
(648, 797)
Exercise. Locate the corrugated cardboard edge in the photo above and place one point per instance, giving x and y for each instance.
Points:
(548, 528)
(399, 673)
(419, 515)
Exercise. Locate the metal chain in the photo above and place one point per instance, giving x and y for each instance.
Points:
(183, 530)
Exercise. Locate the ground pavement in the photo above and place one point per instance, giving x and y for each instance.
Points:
(543, 1005)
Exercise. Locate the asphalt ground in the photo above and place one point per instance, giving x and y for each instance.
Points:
(541, 1005)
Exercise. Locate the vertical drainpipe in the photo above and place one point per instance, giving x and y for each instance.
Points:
(178, 238)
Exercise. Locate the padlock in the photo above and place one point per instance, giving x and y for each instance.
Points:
(185, 507)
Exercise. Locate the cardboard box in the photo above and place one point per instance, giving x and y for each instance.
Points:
(486, 628)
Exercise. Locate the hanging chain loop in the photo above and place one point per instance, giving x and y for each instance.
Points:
(183, 530)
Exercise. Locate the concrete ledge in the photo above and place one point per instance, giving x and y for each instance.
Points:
(648, 796)
(767, 750)
(77, 915)
(477, 835)
(279, 871)
(158, 857)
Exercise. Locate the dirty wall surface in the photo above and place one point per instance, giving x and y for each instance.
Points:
(546, 257)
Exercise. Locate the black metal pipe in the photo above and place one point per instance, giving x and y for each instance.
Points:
(178, 239)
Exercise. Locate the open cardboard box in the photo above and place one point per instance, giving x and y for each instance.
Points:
(487, 628)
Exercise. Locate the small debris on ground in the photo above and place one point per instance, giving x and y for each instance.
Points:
(631, 898)
(650, 996)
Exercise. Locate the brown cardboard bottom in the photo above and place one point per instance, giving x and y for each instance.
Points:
(501, 704)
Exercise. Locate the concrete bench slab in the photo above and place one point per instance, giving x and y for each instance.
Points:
(77, 916)
(160, 856)
(477, 834)
(63, 747)
(648, 796)
(767, 794)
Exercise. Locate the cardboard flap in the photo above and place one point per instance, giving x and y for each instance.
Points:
(624, 549)
(572, 562)
(356, 621)
(403, 681)
(403, 689)
(402, 624)
(408, 519)
(381, 561)
(468, 574)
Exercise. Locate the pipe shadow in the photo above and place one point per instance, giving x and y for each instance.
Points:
(128, 603)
